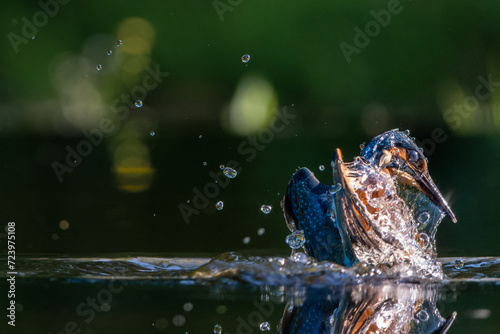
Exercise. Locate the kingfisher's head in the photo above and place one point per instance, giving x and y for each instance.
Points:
(394, 152)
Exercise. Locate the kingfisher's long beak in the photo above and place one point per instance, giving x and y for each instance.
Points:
(426, 185)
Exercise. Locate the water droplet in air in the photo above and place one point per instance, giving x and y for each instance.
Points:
(217, 329)
(296, 239)
(321, 167)
(119, 42)
(266, 209)
(33, 37)
(261, 231)
(138, 103)
(204, 163)
(265, 326)
(422, 315)
(221, 167)
(246, 240)
(199, 137)
(458, 264)
(423, 217)
(245, 58)
(152, 133)
(230, 173)
(407, 132)
(99, 67)
(362, 146)
(109, 52)
(219, 205)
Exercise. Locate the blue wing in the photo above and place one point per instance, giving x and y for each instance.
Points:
(308, 205)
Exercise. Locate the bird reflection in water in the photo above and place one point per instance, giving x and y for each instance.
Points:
(383, 211)
(366, 309)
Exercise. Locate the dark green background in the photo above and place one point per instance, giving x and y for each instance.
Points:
(427, 51)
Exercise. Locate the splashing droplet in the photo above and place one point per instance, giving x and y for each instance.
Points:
(362, 146)
(152, 133)
(422, 315)
(300, 257)
(109, 52)
(230, 173)
(219, 205)
(99, 67)
(261, 231)
(199, 137)
(407, 132)
(265, 326)
(423, 218)
(217, 329)
(334, 189)
(204, 163)
(321, 167)
(458, 264)
(119, 42)
(138, 103)
(246, 240)
(266, 209)
(384, 320)
(221, 167)
(296, 239)
(245, 58)
(424, 239)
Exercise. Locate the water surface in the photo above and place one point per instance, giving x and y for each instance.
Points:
(193, 294)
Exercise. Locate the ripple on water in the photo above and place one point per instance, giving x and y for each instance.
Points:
(254, 270)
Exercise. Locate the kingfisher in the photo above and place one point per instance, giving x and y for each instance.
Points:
(383, 208)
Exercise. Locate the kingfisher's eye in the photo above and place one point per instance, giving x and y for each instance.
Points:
(412, 156)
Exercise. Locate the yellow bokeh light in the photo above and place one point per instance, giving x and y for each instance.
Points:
(137, 35)
(253, 106)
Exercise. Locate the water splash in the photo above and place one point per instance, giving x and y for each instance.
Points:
(230, 173)
(266, 209)
(296, 239)
(265, 326)
(392, 238)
